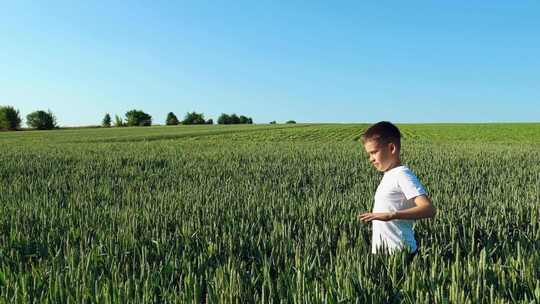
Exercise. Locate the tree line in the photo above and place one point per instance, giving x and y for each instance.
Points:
(45, 120)
(10, 119)
(140, 118)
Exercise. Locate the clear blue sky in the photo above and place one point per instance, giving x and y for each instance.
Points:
(327, 61)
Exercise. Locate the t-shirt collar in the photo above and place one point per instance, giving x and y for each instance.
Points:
(393, 169)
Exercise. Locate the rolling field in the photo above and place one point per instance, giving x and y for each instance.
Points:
(263, 213)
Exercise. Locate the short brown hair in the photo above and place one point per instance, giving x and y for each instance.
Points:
(383, 132)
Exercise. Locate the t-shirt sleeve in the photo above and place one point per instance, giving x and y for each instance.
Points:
(410, 185)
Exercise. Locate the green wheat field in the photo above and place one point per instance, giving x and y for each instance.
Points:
(263, 214)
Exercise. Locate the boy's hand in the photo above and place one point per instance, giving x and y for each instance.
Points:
(378, 216)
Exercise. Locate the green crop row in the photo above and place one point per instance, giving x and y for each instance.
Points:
(241, 214)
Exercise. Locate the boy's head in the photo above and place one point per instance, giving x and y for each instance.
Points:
(382, 142)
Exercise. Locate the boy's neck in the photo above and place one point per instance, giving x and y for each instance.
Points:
(396, 163)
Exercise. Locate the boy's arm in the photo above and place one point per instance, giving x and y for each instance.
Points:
(423, 209)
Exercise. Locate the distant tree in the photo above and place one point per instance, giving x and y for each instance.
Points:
(291, 122)
(235, 119)
(118, 122)
(106, 121)
(224, 119)
(41, 120)
(193, 118)
(138, 118)
(210, 121)
(273, 122)
(9, 118)
(171, 119)
(245, 120)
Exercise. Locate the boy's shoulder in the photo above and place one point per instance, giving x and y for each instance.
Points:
(402, 172)
(408, 182)
(402, 169)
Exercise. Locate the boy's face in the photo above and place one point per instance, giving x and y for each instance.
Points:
(381, 156)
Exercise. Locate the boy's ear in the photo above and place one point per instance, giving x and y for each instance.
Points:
(393, 148)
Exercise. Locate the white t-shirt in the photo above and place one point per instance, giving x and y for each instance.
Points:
(395, 192)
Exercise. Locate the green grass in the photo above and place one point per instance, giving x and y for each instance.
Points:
(261, 213)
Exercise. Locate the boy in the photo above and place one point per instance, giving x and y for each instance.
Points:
(400, 198)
